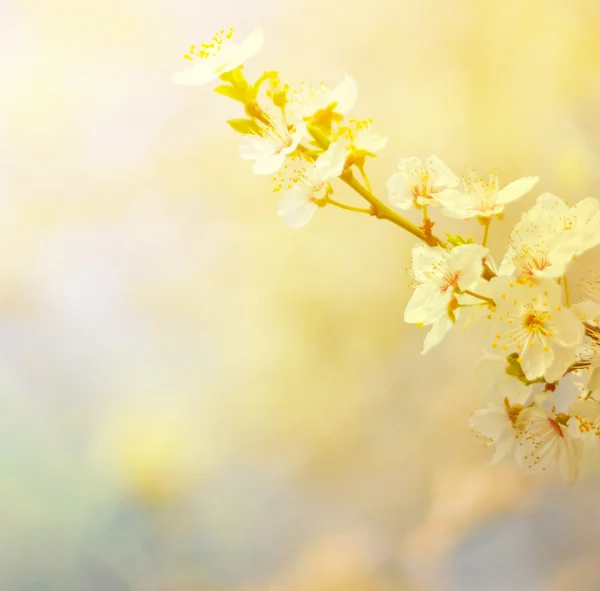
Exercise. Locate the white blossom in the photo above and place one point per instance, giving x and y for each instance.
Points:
(309, 101)
(546, 437)
(218, 57)
(531, 321)
(312, 184)
(441, 276)
(418, 183)
(505, 396)
(480, 198)
(368, 142)
(549, 235)
(272, 143)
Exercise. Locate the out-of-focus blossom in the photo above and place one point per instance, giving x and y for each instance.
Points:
(299, 203)
(480, 198)
(219, 56)
(418, 184)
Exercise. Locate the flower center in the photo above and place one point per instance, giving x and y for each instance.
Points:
(534, 321)
(530, 260)
(449, 280)
(422, 187)
(512, 412)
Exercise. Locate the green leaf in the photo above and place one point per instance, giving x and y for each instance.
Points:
(458, 240)
(230, 92)
(243, 126)
(513, 368)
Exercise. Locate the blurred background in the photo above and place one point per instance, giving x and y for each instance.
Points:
(193, 396)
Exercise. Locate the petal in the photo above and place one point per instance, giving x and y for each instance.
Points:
(456, 204)
(399, 193)
(253, 147)
(506, 267)
(585, 209)
(251, 45)
(490, 421)
(549, 205)
(437, 333)
(345, 95)
(296, 208)
(426, 305)
(504, 446)
(443, 176)
(268, 164)
(516, 189)
(299, 133)
(467, 259)
(569, 457)
(535, 360)
(370, 142)
(564, 357)
(425, 259)
(567, 329)
(198, 74)
(330, 164)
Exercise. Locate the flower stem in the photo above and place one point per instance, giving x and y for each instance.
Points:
(382, 211)
(363, 173)
(486, 231)
(330, 201)
(566, 288)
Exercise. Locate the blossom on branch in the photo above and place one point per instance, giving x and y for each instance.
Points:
(320, 104)
(549, 235)
(546, 437)
(271, 144)
(531, 321)
(441, 275)
(221, 55)
(504, 396)
(418, 184)
(483, 199)
(312, 185)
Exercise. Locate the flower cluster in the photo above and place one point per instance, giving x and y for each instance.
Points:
(305, 139)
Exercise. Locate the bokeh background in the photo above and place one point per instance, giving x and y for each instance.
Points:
(194, 397)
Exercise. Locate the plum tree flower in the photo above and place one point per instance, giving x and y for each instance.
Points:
(312, 187)
(549, 235)
(505, 396)
(531, 321)
(271, 144)
(418, 184)
(483, 199)
(221, 55)
(362, 141)
(366, 141)
(315, 103)
(546, 437)
(441, 277)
